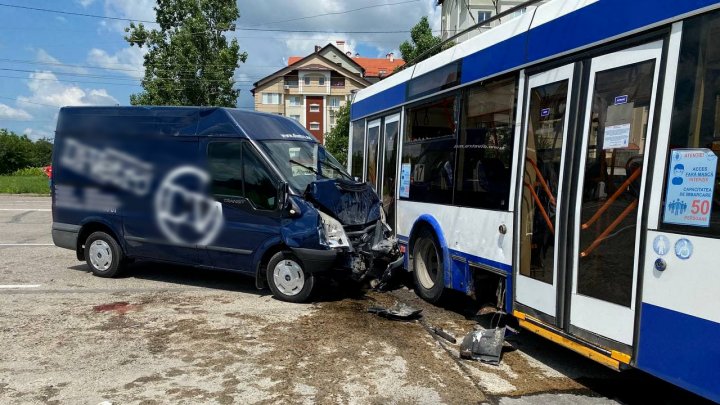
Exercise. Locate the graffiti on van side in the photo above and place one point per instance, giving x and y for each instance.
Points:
(108, 166)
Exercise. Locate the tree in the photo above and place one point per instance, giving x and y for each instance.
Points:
(336, 141)
(189, 59)
(422, 41)
(15, 151)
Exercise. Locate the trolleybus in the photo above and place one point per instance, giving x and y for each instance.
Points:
(565, 163)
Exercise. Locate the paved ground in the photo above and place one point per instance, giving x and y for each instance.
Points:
(170, 334)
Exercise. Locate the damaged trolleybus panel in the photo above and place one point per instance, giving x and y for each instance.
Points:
(212, 188)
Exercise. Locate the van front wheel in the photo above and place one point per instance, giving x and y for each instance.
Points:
(103, 255)
(287, 278)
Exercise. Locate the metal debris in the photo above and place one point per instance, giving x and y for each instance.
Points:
(398, 312)
(484, 345)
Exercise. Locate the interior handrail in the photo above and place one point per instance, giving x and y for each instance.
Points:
(610, 228)
(542, 181)
(612, 198)
(542, 209)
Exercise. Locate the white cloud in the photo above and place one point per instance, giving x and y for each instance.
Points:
(46, 89)
(128, 61)
(8, 112)
(42, 56)
(85, 3)
(132, 9)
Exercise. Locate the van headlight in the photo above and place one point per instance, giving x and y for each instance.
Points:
(332, 233)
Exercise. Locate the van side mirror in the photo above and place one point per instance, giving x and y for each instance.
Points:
(287, 204)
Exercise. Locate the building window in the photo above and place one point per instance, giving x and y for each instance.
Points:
(314, 126)
(296, 117)
(321, 81)
(484, 16)
(337, 82)
(314, 107)
(335, 102)
(295, 101)
(271, 98)
(307, 80)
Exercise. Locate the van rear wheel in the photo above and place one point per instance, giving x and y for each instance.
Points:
(428, 267)
(103, 255)
(287, 278)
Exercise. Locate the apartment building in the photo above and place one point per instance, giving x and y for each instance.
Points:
(458, 15)
(312, 88)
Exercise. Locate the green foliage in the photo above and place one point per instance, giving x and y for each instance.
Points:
(336, 141)
(29, 171)
(189, 61)
(19, 152)
(24, 184)
(422, 40)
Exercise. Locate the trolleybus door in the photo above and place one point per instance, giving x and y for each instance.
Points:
(387, 180)
(545, 134)
(609, 196)
(372, 152)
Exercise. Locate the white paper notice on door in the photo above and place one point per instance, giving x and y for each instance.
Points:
(616, 136)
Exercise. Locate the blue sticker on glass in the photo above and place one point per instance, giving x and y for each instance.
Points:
(405, 180)
(661, 245)
(690, 186)
(683, 249)
(621, 100)
(545, 112)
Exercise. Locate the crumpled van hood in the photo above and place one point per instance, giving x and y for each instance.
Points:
(350, 202)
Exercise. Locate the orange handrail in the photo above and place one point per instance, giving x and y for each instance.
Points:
(610, 228)
(542, 209)
(542, 181)
(612, 198)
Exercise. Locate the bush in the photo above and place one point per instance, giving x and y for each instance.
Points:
(29, 171)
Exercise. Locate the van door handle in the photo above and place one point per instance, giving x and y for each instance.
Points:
(502, 229)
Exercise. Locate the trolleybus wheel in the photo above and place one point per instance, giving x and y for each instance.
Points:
(428, 267)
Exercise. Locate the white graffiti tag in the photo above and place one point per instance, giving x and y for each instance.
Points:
(108, 166)
(187, 216)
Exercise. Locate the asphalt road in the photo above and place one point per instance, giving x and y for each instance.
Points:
(171, 334)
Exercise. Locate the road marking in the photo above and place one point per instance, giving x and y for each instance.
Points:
(27, 244)
(24, 209)
(16, 286)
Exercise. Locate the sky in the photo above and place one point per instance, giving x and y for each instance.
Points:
(51, 59)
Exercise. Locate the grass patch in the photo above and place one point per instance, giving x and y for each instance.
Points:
(24, 185)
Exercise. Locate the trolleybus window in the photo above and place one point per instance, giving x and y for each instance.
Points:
(429, 148)
(541, 178)
(485, 146)
(358, 144)
(613, 172)
(696, 112)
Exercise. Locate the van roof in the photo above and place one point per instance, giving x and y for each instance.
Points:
(178, 121)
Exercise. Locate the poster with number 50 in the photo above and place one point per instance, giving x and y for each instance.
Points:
(690, 186)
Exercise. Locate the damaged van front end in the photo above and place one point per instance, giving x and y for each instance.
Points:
(352, 222)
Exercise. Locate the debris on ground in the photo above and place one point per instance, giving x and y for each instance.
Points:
(398, 312)
(484, 345)
(440, 332)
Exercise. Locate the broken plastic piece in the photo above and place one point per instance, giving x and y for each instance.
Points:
(398, 312)
(484, 345)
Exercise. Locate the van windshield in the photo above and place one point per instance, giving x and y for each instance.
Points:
(304, 162)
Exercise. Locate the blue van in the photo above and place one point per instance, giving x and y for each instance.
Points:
(212, 188)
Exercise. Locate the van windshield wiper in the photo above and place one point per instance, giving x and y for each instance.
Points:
(333, 166)
(312, 169)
